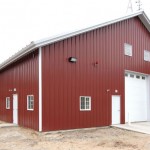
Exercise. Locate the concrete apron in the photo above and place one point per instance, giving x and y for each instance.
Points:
(142, 127)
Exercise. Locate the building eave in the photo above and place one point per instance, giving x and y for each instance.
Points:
(18, 55)
(145, 20)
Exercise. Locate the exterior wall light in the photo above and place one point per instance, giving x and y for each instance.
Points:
(72, 59)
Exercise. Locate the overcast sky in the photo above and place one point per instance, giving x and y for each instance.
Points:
(23, 21)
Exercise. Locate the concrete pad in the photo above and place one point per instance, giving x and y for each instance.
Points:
(142, 127)
(5, 125)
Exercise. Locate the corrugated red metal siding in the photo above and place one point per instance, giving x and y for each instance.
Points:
(22, 75)
(64, 82)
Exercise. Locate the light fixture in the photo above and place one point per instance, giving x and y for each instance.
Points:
(116, 91)
(72, 59)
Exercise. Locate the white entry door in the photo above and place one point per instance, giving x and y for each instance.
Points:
(15, 108)
(115, 109)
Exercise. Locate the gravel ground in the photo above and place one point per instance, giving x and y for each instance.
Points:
(17, 138)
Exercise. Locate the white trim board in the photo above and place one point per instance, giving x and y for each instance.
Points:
(40, 89)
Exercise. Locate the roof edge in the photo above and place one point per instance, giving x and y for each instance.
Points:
(35, 44)
(144, 18)
(50, 40)
(18, 55)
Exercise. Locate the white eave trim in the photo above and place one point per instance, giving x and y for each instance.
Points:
(61, 37)
(18, 55)
(141, 15)
(145, 20)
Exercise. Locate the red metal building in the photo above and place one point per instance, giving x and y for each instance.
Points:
(89, 78)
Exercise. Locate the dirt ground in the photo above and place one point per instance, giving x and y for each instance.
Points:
(17, 138)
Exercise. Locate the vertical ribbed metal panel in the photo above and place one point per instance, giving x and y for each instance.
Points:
(22, 75)
(64, 82)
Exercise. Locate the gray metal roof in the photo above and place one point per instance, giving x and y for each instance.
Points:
(35, 44)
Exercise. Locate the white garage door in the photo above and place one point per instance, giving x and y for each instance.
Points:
(135, 97)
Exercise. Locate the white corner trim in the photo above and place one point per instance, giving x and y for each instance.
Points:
(40, 89)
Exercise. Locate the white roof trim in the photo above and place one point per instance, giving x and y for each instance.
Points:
(18, 55)
(145, 20)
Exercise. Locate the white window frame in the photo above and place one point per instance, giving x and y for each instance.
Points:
(146, 55)
(29, 101)
(85, 98)
(7, 102)
(127, 49)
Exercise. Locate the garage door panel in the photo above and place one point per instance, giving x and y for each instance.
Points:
(135, 97)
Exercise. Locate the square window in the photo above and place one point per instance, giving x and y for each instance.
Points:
(85, 103)
(30, 102)
(7, 102)
(127, 49)
(146, 55)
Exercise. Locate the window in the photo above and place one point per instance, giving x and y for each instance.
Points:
(85, 103)
(128, 49)
(146, 55)
(30, 102)
(7, 102)
(143, 77)
(138, 77)
(132, 75)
